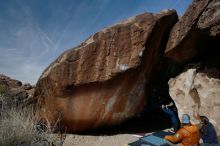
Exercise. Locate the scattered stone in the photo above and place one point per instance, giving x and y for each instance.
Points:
(14, 93)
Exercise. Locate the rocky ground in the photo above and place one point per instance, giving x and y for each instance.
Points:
(15, 91)
(114, 140)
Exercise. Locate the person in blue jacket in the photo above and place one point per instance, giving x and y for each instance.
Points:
(171, 111)
(208, 133)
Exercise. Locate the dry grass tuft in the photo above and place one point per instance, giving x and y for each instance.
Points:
(18, 128)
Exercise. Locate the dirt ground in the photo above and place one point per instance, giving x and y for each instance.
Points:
(120, 135)
(115, 140)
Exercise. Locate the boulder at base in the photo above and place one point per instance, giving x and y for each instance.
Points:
(103, 81)
(197, 93)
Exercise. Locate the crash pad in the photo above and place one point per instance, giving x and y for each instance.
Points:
(154, 139)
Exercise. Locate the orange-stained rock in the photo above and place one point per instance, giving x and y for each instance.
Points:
(103, 81)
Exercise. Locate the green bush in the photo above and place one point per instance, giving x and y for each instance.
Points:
(3, 89)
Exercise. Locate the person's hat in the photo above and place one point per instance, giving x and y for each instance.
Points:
(185, 119)
(204, 119)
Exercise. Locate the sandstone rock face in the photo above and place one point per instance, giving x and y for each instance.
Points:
(204, 99)
(14, 92)
(104, 80)
(197, 33)
(10, 83)
(210, 18)
(196, 39)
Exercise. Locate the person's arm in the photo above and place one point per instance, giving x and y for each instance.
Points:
(168, 111)
(174, 138)
(197, 117)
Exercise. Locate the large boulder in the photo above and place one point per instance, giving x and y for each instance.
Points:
(197, 93)
(197, 34)
(195, 38)
(104, 80)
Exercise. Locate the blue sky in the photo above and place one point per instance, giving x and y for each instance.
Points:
(35, 32)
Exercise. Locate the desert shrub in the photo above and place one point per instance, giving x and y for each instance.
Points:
(18, 128)
(3, 89)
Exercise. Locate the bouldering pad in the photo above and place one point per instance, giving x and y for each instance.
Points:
(154, 139)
